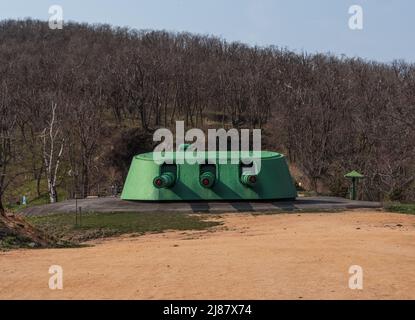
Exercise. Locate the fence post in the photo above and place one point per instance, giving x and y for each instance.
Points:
(76, 209)
(80, 216)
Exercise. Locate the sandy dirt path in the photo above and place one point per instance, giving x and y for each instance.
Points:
(285, 256)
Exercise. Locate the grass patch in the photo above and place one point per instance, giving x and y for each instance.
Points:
(298, 211)
(408, 208)
(100, 225)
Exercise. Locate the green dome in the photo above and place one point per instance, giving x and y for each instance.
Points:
(150, 181)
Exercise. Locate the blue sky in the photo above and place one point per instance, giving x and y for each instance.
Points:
(300, 25)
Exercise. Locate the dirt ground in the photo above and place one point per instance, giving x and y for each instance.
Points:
(284, 256)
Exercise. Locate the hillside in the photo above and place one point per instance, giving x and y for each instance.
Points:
(77, 103)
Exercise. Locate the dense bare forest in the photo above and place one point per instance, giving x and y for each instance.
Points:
(77, 103)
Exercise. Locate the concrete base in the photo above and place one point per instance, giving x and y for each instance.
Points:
(111, 204)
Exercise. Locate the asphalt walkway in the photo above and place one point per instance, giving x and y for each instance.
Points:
(113, 204)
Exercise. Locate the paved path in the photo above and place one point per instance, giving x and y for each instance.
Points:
(111, 204)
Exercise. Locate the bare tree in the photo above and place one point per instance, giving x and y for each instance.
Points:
(53, 145)
(7, 142)
(330, 114)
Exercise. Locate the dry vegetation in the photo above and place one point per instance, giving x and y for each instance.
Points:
(77, 103)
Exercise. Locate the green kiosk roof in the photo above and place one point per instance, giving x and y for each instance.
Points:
(354, 174)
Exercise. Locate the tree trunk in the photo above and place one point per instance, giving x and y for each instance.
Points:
(85, 181)
(38, 178)
(53, 194)
(38, 186)
(2, 212)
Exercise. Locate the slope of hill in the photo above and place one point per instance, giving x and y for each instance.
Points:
(77, 103)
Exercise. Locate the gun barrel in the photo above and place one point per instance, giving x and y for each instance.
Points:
(249, 180)
(207, 179)
(165, 180)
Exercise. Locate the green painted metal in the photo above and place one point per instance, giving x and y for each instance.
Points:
(207, 179)
(249, 179)
(354, 176)
(225, 181)
(165, 180)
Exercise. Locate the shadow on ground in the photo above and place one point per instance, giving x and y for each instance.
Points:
(112, 204)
